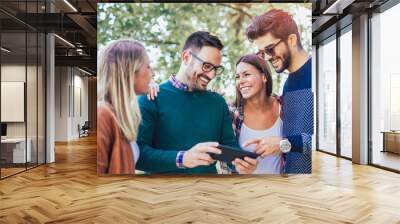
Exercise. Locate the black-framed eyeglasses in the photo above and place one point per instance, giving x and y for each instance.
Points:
(208, 67)
(270, 51)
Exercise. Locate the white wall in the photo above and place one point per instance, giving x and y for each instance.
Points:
(61, 103)
(16, 73)
(70, 83)
(33, 126)
(80, 100)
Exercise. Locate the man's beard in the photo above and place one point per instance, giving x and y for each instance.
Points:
(194, 80)
(285, 59)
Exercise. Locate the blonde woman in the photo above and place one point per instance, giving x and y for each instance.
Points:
(124, 72)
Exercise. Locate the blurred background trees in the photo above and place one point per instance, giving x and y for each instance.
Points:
(162, 28)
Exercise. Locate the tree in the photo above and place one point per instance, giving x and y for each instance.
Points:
(163, 28)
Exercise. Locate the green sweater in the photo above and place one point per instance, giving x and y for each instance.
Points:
(176, 121)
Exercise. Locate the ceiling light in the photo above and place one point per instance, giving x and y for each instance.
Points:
(5, 49)
(337, 7)
(64, 40)
(84, 71)
(70, 5)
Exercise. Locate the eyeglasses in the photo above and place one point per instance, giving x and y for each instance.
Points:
(270, 51)
(208, 67)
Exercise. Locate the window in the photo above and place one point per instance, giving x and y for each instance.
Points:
(327, 96)
(346, 93)
(22, 76)
(385, 89)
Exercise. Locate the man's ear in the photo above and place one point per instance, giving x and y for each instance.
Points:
(185, 56)
(292, 40)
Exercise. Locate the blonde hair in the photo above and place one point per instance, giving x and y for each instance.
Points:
(119, 62)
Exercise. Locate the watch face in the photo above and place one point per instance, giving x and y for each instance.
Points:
(285, 146)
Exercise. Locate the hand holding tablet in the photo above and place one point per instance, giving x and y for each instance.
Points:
(229, 154)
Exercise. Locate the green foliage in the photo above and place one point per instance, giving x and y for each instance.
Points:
(164, 27)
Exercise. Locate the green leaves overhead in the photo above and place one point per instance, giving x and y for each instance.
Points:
(163, 28)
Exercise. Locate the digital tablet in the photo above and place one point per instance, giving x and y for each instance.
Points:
(228, 154)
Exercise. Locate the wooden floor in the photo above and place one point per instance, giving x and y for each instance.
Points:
(10, 171)
(386, 159)
(69, 191)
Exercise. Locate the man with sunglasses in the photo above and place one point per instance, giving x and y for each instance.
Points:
(276, 35)
(185, 123)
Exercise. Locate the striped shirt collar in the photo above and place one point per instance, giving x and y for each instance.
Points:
(178, 84)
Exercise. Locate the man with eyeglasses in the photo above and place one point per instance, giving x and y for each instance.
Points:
(185, 123)
(276, 35)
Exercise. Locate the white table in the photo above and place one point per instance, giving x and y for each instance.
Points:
(18, 149)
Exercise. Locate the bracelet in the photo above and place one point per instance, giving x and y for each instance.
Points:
(179, 159)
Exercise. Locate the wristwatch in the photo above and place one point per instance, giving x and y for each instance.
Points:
(285, 146)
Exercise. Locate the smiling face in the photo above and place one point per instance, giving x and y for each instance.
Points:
(280, 58)
(197, 78)
(250, 81)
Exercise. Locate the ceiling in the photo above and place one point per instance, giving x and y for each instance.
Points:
(328, 16)
(74, 22)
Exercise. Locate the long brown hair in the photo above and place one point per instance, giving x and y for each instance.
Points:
(262, 67)
(119, 62)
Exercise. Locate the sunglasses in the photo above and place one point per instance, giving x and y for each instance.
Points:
(208, 67)
(270, 51)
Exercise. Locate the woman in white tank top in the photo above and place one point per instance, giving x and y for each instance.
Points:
(256, 113)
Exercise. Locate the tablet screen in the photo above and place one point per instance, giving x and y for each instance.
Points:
(229, 153)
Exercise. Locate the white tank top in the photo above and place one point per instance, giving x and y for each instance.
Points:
(135, 151)
(270, 164)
